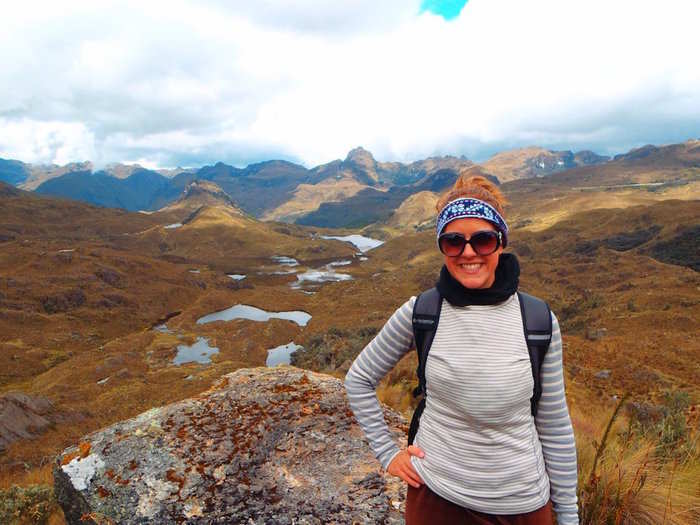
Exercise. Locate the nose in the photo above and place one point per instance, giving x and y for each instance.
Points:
(469, 251)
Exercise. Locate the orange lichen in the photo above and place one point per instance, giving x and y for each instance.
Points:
(69, 457)
(174, 478)
(103, 492)
(84, 448)
(122, 481)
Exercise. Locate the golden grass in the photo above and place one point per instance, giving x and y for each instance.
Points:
(308, 197)
(623, 480)
(650, 344)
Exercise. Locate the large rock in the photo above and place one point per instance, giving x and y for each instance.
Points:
(266, 445)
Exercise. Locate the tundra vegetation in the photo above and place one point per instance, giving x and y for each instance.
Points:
(82, 288)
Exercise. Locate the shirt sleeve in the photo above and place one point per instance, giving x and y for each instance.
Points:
(556, 433)
(373, 363)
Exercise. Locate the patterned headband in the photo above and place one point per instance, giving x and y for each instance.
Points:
(468, 207)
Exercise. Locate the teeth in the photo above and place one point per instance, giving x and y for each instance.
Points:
(471, 267)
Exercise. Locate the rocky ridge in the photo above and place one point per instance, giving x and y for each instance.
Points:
(266, 445)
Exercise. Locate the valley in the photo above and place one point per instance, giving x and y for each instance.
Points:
(106, 313)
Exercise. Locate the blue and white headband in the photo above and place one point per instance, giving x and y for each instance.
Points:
(473, 208)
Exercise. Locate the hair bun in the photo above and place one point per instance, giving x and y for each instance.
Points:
(473, 182)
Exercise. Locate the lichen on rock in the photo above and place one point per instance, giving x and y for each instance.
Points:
(266, 445)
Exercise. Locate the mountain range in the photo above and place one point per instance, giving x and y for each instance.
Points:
(281, 190)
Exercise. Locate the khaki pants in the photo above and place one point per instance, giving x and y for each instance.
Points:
(424, 507)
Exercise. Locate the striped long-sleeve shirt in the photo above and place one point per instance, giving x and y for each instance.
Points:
(483, 449)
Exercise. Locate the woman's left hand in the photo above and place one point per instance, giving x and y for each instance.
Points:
(402, 467)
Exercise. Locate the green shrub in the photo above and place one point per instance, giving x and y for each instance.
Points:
(326, 352)
(21, 505)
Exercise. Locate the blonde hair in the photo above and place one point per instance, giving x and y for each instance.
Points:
(476, 187)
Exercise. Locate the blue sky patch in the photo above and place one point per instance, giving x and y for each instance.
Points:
(448, 9)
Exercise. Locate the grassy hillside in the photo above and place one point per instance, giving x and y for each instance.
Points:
(82, 287)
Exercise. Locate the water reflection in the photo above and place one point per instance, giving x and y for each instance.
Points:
(243, 311)
(281, 355)
(364, 244)
(199, 352)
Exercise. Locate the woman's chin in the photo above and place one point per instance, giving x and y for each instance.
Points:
(474, 281)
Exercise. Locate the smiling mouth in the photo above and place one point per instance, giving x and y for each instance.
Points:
(471, 267)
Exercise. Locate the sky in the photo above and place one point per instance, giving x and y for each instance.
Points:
(185, 83)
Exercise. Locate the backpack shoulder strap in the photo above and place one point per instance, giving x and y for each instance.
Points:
(426, 315)
(537, 326)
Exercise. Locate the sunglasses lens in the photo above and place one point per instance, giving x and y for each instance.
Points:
(452, 244)
(485, 243)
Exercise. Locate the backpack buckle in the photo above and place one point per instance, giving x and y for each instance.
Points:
(424, 322)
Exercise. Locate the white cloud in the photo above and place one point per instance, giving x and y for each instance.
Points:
(46, 142)
(185, 82)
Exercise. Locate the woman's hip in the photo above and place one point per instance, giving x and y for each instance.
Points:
(424, 507)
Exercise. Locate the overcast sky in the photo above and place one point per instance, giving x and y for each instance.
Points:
(169, 83)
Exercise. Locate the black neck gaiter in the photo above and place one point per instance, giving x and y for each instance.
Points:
(505, 285)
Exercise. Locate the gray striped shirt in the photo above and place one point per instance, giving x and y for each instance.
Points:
(483, 449)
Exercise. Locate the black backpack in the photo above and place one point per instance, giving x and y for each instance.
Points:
(537, 327)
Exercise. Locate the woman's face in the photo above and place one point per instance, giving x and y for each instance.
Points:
(470, 269)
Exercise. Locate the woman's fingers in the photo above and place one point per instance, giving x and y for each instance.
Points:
(402, 467)
(412, 478)
(415, 451)
(410, 473)
(409, 477)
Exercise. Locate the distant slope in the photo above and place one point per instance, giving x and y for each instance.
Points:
(360, 172)
(415, 213)
(525, 163)
(40, 173)
(668, 231)
(643, 176)
(258, 187)
(201, 193)
(373, 206)
(26, 215)
(142, 190)
(360, 190)
(13, 171)
(307, 198)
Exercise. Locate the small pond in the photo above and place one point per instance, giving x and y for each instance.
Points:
(284, 260)
(163, 329)
(364, 244)
(236, 276)
(199, 352)
(243, 311)
(281, 355)
(340, 263)
(320, 276)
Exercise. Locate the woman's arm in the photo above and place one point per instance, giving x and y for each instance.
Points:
(556, 434)
(373, 363)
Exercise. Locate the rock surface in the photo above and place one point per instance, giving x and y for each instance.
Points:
(23, 417)
(266, 445)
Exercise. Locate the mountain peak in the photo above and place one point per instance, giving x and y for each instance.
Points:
(207, 193)
(360, 155)
(200, 194)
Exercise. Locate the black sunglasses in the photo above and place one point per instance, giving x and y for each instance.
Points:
(483, 243)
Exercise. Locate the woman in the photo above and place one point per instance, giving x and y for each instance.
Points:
(479, 455)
